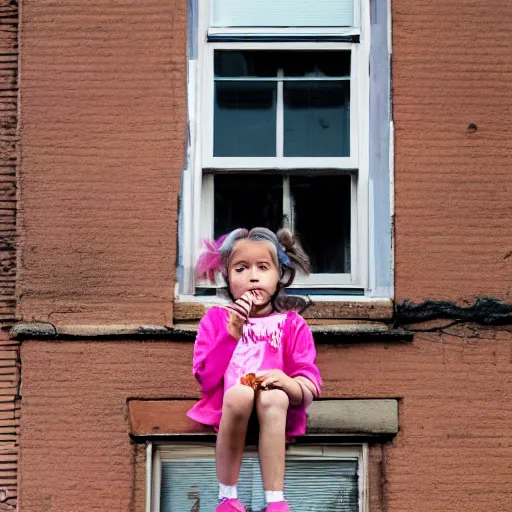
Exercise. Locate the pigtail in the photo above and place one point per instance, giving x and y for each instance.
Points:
(283, 302)
(298, 259)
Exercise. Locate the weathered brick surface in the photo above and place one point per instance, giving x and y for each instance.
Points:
(103, 127)
(104, 131)
(9, 421)
(451, 68)
(452, 452)
(9, 157)
(9, 161)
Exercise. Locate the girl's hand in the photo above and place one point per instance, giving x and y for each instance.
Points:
(239, 312)
(271, 379)
(277, 379)
(242, 306)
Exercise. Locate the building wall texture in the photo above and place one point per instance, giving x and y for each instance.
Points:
(453, 450)
(103, 127)
(104, 132)
(9, 164)
(453, 192)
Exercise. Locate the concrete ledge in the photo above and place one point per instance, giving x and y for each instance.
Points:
(372, 309)
(368, 417)
(331, 333)
(354, 418)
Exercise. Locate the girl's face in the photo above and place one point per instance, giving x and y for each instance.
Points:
(252, 266)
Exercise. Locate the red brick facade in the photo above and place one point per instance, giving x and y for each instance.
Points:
(9, 164)
(103, 131)
(451, 69)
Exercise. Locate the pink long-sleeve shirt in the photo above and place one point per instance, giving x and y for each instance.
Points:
(278, 341)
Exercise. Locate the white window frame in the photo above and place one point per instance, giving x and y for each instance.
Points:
(158, 453)
(197, 191)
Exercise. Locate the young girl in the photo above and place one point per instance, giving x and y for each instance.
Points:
(258, 333)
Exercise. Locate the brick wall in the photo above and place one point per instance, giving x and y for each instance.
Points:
(9, 160)
(104, 130)
(103, 125)
(452, 452)
(453, 192)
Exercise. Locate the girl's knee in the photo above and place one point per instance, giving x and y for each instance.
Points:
(272, 401)
(238, 401)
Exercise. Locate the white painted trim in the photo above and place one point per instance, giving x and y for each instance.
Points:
(286, 45)
(207, 207)
(391, 156)
(364, 476)
(392, 200)
(275, 163)
(288, 209)
(157, 480)
(209, 302)
(286, 31)
(322, 281)
(280, 115)
(281, 78)
(149, 475)
(362, 52)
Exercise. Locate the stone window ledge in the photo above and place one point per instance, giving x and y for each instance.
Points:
(356, 308)
(329, 333)
(370, 418)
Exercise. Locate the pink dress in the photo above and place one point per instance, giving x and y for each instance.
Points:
(278, 341)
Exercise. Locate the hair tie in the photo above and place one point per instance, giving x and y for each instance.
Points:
(283, 257)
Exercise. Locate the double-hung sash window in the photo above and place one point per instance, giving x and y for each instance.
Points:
(280, 133)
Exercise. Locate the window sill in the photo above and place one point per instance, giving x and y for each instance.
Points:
(323, 333)
(190, 309)
(160, 419)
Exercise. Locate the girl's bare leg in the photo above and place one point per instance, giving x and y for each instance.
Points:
(272, 406)
(236, 411)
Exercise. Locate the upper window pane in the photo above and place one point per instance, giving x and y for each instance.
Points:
(249, 63)
(333, 64)
(245, 119)
(283, 13)
(317, 119)
(281, 103)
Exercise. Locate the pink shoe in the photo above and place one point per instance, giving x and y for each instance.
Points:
(231, 505)
(278, 506)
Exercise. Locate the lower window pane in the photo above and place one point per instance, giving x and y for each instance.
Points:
(321, 209)
(245, 119)
(247, 201)
(317, 119)
(329, 485)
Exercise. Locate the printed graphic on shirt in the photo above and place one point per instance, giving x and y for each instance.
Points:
(249, 354)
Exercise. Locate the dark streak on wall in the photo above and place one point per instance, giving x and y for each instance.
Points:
(485, 311)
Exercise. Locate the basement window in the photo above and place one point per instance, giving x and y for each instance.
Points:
(318, 479)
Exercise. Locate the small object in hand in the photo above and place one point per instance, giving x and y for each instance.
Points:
(250, 379)
(242, 306)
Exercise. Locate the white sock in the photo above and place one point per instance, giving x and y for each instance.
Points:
(227, 492)
(274, 496)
